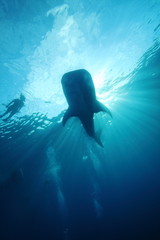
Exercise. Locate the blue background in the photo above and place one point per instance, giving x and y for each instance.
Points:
(56, 182)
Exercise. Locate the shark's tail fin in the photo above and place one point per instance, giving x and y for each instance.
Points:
(68, 114)
(98, 140)
(99, 107)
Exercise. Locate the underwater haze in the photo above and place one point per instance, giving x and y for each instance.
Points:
(56, 182)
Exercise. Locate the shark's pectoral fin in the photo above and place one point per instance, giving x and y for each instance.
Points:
(99, 107)
(68, 114)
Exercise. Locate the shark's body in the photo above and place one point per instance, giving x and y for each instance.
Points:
(80, 93)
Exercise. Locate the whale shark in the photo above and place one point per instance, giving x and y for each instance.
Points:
(79, 90)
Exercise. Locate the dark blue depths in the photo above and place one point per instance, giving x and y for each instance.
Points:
(51, 189)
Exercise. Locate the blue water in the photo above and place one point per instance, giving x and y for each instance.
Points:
(56, 182)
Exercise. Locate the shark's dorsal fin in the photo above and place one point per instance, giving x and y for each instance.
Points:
(68, 114)
(99, 107)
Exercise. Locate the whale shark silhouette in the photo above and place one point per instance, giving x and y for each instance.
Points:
(80, 94)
